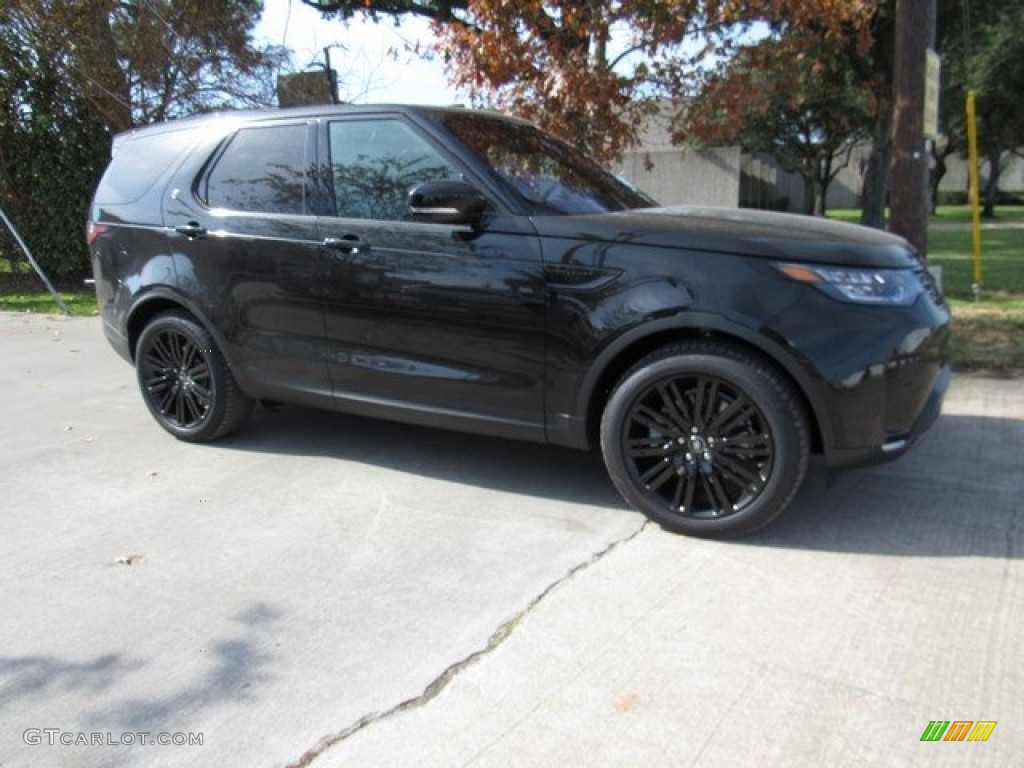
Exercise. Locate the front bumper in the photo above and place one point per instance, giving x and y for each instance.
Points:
(890, 446)
(879, 373)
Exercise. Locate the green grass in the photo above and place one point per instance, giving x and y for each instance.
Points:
(80, 303)
(946, 214)
(950, 246)
(961, 214)
(1002, 259)
(850, 215)
(988, 333)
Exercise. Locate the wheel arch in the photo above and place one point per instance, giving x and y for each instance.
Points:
(160, 300)
(633, 346)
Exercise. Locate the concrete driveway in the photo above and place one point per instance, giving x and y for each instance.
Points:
(331, 591)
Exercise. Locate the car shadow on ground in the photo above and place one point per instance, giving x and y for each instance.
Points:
(512, 466)
(957, 493)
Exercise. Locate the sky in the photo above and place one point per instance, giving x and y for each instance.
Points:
(372, 63)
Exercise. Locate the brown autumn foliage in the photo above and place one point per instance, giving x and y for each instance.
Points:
(590, 70)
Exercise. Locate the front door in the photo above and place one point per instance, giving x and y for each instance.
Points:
(443, 322)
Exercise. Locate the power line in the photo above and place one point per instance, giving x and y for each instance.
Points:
(70, 64)
(174, 33)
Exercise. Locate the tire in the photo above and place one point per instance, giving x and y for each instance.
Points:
(706, 439)
(185, 380)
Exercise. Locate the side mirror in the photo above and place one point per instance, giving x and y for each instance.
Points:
(447, 201)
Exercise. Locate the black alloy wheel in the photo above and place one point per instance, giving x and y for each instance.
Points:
(705, 439)
(185, 380)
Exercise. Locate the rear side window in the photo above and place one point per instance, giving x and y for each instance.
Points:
(261, 170)
(138, 162)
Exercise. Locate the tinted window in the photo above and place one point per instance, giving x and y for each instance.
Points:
(374, 164)
(544, 171)
(138, 162)
(262, 169)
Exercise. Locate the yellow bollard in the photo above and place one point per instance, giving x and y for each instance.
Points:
(975, 194)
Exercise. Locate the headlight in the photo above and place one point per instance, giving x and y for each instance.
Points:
(895, 287)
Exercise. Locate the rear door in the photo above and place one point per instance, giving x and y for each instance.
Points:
(248, 253)
(442, 322)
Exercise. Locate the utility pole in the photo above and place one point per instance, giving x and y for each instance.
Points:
(915, 34)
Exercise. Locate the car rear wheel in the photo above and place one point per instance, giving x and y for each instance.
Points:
(185, 380)
(706, 439)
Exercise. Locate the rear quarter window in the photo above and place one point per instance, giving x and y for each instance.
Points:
(262, 169)
(138, 162)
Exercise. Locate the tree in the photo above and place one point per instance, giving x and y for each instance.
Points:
(996, 71)
(186, 56)
(51, 143)
(877, 67)
(139, 62)
(795, 96)
(982, 51)
(592, 70)
(952, 94)
(73, 72)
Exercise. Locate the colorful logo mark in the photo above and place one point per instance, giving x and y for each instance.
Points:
(958, 730)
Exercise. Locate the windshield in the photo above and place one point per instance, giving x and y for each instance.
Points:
(547, 173)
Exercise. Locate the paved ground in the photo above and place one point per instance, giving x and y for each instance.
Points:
(330, 591)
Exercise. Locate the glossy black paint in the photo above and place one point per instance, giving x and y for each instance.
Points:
(432, 320)
(516, 325)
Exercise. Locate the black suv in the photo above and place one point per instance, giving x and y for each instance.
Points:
(462, 269)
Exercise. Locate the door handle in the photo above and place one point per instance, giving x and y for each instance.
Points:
(346, 244)
(193, 230)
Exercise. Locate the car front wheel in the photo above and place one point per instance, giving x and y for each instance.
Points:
(706, 439)
(185, 380)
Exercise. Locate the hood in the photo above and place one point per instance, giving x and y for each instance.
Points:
(738, 231)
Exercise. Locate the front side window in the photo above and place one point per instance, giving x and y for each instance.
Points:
(549, 174)
(261, 170)
(374, 165)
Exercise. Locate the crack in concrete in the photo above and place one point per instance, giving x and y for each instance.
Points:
(441, 682)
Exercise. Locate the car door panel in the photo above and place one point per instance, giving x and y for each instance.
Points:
(255, 274)
(433, 317)
(425, 315)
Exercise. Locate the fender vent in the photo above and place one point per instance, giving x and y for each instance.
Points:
(578, 277)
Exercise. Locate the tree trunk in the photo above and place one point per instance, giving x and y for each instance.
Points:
(599, 36)
(824, 177)
(876, 176)
(915, 33)
(810, 193)
(937, 173)
(988, 210)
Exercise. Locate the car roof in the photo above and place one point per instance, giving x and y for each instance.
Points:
(323, 110)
